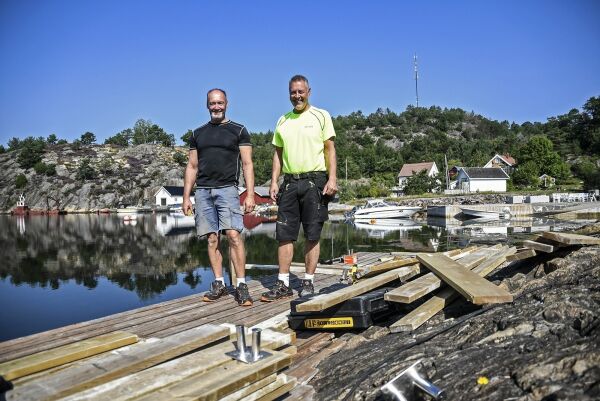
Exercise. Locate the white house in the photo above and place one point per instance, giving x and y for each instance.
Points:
(170, 195)
(505, 162)
(410, 169)
(479, 179)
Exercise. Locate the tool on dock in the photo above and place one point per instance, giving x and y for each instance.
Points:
(247, 354)
(350, 268)
(404, 386)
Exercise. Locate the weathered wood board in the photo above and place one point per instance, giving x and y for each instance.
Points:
(221, 380)
(166, 374)
(102, 368)
(571, 239)
(472, 286)
(429, 282)
(538, 246)
(324, 301)
(67, 353)
(529, 253)
(435, 304)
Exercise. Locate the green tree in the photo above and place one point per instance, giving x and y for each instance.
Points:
(51, 140)
(105, 166)
(88, 138)
(420, 183)
(539, 150)
(30, 151)
(180, 158)
(20, 181)
(14, 144)
(123, 138)
(85, 171)
(62, 142)
(2, 149)
(187, 136)
(527, 175)
(45, 169)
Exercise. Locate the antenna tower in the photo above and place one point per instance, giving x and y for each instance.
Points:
(416, 78)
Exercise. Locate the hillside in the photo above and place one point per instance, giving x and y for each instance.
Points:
(371, 148)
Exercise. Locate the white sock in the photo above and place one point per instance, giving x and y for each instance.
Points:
(241, 280)
(285, 278)
(309, 276)
(221, 279)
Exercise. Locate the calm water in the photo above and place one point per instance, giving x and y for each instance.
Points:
(65, 269)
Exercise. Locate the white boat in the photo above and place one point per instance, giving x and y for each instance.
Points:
(474, 213)
(130, 210)
(387, 224)
(379, 209)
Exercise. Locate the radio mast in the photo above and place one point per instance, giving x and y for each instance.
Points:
(416, 78)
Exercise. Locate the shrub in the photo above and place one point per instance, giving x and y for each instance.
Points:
(86, 171)
(180, 158)
(20, 181)
(43, 168)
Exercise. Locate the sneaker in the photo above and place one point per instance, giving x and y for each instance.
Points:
(279, 291)
(242, 296)
(307, 288)
(217, 290)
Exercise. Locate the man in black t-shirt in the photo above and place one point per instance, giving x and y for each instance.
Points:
(216, 150)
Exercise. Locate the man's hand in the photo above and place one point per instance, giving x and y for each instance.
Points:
(330, 187)
(188, 210)
(249, 204)
(273, 190)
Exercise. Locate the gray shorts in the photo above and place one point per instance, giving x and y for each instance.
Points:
(218, 209)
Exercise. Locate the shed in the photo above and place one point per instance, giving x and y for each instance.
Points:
(479, 179)
(169, 195)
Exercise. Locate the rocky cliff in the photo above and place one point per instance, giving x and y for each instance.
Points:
(121, 176)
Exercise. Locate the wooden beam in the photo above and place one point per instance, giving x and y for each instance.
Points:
(221, 380)
(373, 270)
(571, 239)
(473, 287)
(429, 282)
(251, 389)
(67, 353)
(155, 378)
(538, 246)
(435, 304)
(529, 253)
(102, 368)
(324, 301)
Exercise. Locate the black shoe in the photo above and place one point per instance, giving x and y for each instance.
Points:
(279, 291)
(217, 290)
(307, 288)
(242, 296)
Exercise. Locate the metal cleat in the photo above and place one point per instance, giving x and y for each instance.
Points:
(409, 385)
(247, 354)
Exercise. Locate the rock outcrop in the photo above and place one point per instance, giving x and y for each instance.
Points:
(123, 176)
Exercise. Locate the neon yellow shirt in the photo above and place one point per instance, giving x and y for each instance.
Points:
(302, 138)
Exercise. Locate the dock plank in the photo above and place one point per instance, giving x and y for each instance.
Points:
(59, 356)
(321, 302)
(529, 253)
(571, 239)
(429, 282)
(163, 375)
(85, 374)
(221, 380)
(472, 286)
(538, 246)
(435, 304)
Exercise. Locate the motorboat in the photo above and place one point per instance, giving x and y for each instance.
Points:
(478, 214)
(379, 209)
(387, 224)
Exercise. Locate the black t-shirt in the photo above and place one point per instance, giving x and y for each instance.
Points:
(218, 147)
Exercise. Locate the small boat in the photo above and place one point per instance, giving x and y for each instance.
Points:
(379, 209)
(474, 213)
(129, 210)
(387, 224)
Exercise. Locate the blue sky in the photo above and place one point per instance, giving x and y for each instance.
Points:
(73, 66)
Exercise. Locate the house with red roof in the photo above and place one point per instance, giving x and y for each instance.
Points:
(505, 162)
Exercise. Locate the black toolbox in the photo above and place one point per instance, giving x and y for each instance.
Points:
(359, 312)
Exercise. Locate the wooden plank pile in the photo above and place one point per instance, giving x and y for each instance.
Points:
(442, 277)
(190, 365)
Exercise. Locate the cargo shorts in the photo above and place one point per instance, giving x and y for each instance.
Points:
(301, 200)
(217, 210)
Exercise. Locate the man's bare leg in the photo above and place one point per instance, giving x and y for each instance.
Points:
(312, 250)
(285, 253)
(214, 254)
(238, 253)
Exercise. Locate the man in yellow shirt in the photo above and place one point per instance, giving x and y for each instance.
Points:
(305, 153)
